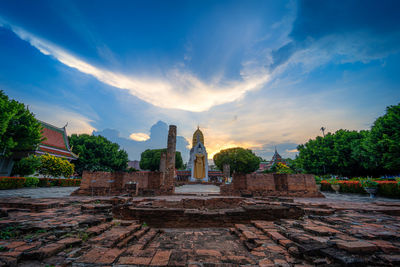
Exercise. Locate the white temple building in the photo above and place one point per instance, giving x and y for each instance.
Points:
(198, 161)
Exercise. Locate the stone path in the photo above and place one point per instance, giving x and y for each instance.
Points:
(40, 192)
(61, 192)
(197, 188)
(81, 231)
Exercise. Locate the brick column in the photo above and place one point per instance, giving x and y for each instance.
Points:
(170, 162)
(163, 161)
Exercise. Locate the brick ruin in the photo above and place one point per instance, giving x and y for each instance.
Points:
(135, 183)
(203, 212)
(163, 182)
(268, 184)
(87, 231)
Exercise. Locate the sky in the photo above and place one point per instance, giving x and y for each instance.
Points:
(255, 74)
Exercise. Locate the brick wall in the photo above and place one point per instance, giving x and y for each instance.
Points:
(100, 183)
(257, 181)
(268, 184)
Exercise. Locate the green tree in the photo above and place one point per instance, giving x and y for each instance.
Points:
(150, 159)
(338, 153)
(96, 153)
(55, 166)
(240, 160)
(383, 143)
(19, 130)
(26, 166)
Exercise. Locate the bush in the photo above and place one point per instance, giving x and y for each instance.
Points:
(326, 186)
(55, 166)
(283, 168)
(11, 182)
(47, 182)
(351, 187)
(389, 189)
(26, 166)
(31, 182)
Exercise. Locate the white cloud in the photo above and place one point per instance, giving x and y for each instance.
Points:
(176, 90)
(139, 136)
(59, 117)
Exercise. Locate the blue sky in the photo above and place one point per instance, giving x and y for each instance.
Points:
(256, 74)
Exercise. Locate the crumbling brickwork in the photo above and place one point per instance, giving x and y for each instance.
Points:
(268, 184)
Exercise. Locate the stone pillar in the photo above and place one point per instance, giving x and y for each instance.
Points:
(170, 162)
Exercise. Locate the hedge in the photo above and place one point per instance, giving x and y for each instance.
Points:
(385, 188)
(11, 182)
(18, 182)
(31, 181)
(46, 182)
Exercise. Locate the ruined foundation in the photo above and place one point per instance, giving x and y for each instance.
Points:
(271, 185)
(195, 212)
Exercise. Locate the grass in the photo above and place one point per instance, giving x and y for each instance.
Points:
(10, 232)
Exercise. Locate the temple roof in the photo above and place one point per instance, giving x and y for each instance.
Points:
(197, 137)
(56, 142)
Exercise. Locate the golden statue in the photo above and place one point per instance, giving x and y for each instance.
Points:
(199, 167)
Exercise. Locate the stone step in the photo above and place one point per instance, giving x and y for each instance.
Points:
(133, 236)
(98, 229)
(113, 236)
(50, 249)
(148, 237)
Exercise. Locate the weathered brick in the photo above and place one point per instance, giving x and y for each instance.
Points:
(161, 258)
(131, 260)
(207, 252)
(357, 246)
(386, 246)
(15, 244)
(70, 241)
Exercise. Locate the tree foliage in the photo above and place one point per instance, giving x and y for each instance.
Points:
(19, 130)
(240, 160)
(383, 143)
(150, 159)
(353, 153)
(96, 153)
(27, 166)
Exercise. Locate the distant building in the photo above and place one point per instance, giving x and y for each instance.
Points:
(134, 164)
(55, 143)
(266, 165)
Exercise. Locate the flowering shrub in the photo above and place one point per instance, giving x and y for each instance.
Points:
(18, 182)
(369, 183)
(11, 182)
(47, 182)
(351, 187)
(54, 166)
(334, 181)
(283, 168)
(326, 186)
(385, 188)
